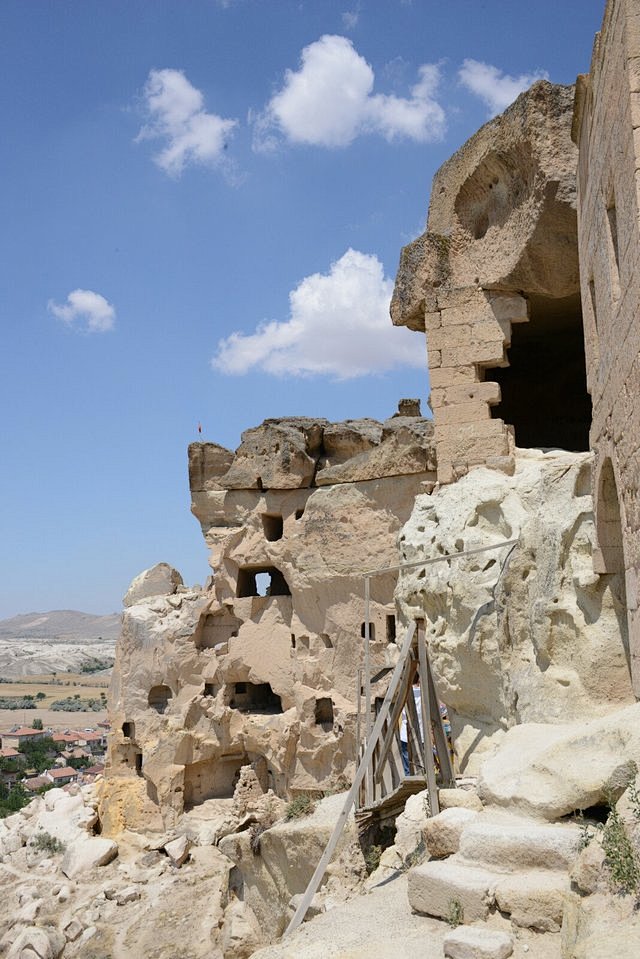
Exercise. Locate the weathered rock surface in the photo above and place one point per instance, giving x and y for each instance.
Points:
(160, 580)
(285, 860)
(85, 854)
(503, 208)
(551, 771)
(517, 635)
(208, 682)
(113, 910)
(474, 942)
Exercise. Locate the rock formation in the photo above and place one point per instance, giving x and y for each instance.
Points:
(229, 700)
(260, 667)
(526, 633)
(494, 276)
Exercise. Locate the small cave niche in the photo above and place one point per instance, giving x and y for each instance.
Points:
(323, 714)
(210, 689)
(326, 641)
(128, 755)
(129, 730)
(159, 697)
(391, 628)
(372, 631)
(255, 698)
(261, 581)
(211, 779)
(273, 526)
(215, 629)
(544, 388)
(299, 513)
(500, 184)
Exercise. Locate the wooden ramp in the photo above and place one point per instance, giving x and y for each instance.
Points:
(391, 805)
(387, 773)
(424, 760)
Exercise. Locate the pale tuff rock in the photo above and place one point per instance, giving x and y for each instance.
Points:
(85, 854)
(209, 682)
(473, 942)
(442, 832)
(551, 771)
(37, 943)
(520, 235)
(527, 634)
(160, 580)
(492, 278)
(280, 865)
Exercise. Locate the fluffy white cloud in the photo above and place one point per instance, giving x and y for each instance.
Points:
(496, 88)
(177, 115)
(338, 326)
(329, 102)
(85, 311)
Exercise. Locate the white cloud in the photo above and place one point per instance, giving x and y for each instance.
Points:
(496, 88)
(177, 115)
(85, 311)
(338, 326)
(350, 19)
(329, 102)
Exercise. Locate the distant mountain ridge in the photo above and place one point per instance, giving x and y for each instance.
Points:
(61, 625)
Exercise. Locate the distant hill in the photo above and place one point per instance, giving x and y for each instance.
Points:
(63, 640)
(61, 625)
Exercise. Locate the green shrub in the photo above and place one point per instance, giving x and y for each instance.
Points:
(455, 914)
(621, 857)
(302, 805)
(372, 858)
(45, 842)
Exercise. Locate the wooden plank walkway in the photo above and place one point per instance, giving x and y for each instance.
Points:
(390, 805)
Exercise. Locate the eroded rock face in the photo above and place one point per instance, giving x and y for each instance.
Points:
(260, 667)
(502, 213)
(524, 634)
(494, 284)
(160, 580)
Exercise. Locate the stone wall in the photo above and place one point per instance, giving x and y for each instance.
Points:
(607, 132)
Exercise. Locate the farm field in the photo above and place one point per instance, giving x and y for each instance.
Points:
(52, 687)
(57, 721)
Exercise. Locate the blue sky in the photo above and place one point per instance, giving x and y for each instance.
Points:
(203, 205)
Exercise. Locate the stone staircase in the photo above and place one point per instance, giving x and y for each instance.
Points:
(504, 864)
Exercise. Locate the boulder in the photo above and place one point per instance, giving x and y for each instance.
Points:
(442, 832)
(85, 854)
(178, 850)
(241, 933)
(37, 943)
(473, 942)
(533, 899)
(159, 580)
(439, 888)
(549, 771)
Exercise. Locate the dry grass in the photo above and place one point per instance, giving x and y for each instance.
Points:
(57, 686)
(50, 719)
(54, 686)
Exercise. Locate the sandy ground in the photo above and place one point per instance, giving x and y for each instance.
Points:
(57, 721)
(380, 925)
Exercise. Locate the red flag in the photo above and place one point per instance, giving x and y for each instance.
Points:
(199, 427)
